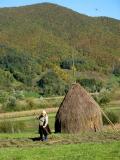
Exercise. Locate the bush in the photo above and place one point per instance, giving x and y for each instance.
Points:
(52, 84)
(6, 79)
(102, 98)
(92, 85)
(12, 126)
(11, 102)
(30, 104)
(3, 96)
(112, 116)
(19, 95)
(68, 63)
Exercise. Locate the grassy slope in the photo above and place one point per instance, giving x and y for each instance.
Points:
(36, 30)
(46, 22)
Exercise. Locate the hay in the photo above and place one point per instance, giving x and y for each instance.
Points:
(78, 112)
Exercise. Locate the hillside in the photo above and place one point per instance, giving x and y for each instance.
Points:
(35, 39)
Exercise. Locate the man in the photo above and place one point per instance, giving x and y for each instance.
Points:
(44, 129)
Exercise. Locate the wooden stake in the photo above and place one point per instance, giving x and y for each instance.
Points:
(110, 122)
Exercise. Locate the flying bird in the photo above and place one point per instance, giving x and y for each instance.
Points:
(96, 9)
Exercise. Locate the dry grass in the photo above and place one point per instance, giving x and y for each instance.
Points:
(115, 102)
(26, 113)
(109, 128)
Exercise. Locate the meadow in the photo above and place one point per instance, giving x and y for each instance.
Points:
(88, 151)
(25, 144)
(20, 140)
(93, 146)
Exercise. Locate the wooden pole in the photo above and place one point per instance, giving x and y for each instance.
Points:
(73, 68)
(110, 122)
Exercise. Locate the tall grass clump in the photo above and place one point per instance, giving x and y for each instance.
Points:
(12, 126)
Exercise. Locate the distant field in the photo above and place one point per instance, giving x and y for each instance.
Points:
(28, 118)
(25, 113)
(30, 122)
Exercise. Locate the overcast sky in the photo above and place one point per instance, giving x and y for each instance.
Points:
(109, 8)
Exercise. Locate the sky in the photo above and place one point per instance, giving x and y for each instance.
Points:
(109, 8)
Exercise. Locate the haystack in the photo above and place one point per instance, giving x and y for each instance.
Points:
(78, 112)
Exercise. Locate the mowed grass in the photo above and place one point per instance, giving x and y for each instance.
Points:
(84, 151)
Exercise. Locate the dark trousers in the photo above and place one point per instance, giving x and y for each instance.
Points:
(43, 131)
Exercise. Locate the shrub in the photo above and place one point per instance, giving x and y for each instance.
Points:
(102, 98)
(92, 85)
(3, 96)
(6, 79)
(11, 101)
(30, 104)
(10, 104)
(51, 84)
(112, 116)
(19, 95)
(68, 63)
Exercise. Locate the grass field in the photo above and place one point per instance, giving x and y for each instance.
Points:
(84, 146)
(86, 151)
(30, 123)
(88, 146)
(28, 118)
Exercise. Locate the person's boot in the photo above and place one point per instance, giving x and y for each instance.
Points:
(41, 138)
(46, 138)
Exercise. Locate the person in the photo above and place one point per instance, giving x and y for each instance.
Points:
(44, 129)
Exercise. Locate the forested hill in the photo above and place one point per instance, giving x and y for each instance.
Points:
(46, 36)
